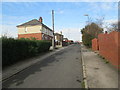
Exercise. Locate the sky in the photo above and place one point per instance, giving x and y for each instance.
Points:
(69, 16)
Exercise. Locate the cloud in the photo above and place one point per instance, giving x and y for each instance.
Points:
(111, 21)
(9, 30)
(109, 6)
(107, 23)
(71, 33)
(99, 7)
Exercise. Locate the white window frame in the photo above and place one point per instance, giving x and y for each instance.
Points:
(25, 29)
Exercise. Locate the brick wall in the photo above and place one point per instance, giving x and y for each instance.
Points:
(95, 46)
(38, 36)
(109, 47)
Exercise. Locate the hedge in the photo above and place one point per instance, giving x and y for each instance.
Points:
(14, 50)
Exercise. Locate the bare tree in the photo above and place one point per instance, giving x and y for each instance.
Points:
(113, 26)
(6, 34)
(100, 21)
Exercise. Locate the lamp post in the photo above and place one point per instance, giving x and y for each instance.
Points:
(87, 16)
(88, 20)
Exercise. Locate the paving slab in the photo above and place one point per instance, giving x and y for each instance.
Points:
(99, 73)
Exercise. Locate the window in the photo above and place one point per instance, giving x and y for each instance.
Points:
(25, 29)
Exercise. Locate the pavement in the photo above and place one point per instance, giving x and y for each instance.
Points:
(98, 73)
(58, 69)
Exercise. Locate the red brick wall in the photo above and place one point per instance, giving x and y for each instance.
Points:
(109, 47)
(95, 44)
(38, 36)
(119, 49)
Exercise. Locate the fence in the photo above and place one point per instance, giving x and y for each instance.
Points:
(109, 46)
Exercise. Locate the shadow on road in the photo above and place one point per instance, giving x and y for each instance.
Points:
(19, 79)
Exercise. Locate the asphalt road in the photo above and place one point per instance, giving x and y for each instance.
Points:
(61, 70)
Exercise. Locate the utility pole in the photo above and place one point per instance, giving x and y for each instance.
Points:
(61, 38)
(53, 40)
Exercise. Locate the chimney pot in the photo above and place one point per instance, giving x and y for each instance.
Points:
(40, 19)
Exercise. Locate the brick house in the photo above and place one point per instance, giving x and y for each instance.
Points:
(35, 29)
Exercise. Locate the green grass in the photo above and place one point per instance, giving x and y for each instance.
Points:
(106, 61)
(83, 84)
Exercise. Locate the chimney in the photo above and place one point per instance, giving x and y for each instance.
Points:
(40, 19)
(61, 32)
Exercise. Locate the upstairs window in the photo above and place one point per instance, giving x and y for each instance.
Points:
(25, 29)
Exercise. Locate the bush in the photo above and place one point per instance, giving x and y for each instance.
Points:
(87, 40)
(90, 32)
(14, 50)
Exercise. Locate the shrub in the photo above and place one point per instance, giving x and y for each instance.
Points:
(90, 32)
(14, 50)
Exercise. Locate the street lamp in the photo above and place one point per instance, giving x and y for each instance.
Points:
(87, 16)
(88, 20)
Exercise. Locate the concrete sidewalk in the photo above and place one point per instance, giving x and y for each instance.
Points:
(18, 67)
(99, 73)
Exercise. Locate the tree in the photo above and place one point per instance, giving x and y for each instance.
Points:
(114, 26)
(100, 21)
(89, 32)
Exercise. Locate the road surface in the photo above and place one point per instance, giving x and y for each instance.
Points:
(61, 70)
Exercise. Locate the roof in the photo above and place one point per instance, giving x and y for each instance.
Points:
(65, 38)
(58, 34)
(32, 23)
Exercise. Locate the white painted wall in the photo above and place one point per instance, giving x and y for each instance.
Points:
(47, 31)
(29, 29)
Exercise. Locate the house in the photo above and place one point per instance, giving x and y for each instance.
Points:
(65, 42)
(35, 29)
(65, 39)
(58, 38)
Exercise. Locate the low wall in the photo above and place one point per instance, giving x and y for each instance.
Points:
(109, 47)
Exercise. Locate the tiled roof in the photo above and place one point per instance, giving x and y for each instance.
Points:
(34, 22)
(58, 34)
(31, 23)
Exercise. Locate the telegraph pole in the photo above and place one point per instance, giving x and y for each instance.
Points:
(53, 40)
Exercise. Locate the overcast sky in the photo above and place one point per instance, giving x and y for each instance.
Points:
(69, 16)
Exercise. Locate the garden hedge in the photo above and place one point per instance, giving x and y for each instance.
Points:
(14, 50)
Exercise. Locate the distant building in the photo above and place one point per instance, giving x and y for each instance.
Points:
(65, 39)
(58, 38)
(65, 42)
(35, 29)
